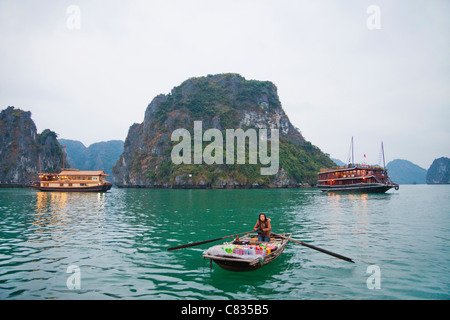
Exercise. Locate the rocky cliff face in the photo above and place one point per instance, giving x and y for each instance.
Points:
(439, 172)
(21, 147)
(223, 101)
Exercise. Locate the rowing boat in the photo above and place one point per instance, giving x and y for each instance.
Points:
(249, 254)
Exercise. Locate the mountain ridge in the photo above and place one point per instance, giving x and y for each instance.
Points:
(101, 155)
(406, 172)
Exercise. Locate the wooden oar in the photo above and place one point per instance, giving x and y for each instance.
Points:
(206, 241)
(315, 248)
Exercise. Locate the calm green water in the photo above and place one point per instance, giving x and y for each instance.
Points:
(119, 240)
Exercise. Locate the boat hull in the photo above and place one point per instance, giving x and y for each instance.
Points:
(100, 188)
(358, 188)
(237, 266)
(240, 265)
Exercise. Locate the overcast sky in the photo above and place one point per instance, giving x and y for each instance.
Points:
(341, 70)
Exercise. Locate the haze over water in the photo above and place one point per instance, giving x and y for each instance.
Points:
(119, 242)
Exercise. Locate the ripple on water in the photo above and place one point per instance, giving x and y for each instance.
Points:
(119, 241)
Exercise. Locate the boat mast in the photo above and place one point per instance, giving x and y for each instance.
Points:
(64, 157)
(382, 151)
(351, 161)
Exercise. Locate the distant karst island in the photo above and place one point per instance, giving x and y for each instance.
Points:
(98, 156)
(439, 172)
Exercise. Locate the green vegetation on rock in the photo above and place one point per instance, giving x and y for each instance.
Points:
(222, 101)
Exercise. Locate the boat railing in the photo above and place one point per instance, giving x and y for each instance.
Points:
(353, 166)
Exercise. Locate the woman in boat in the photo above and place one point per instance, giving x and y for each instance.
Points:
(263, 228)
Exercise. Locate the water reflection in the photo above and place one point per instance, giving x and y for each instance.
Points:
(356, 215)
(340, 202)
(59, 214)
(49, 215)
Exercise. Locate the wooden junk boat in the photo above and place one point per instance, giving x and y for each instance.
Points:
(248, 254)
(359, 178)
(355, 178)
(73, 180)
